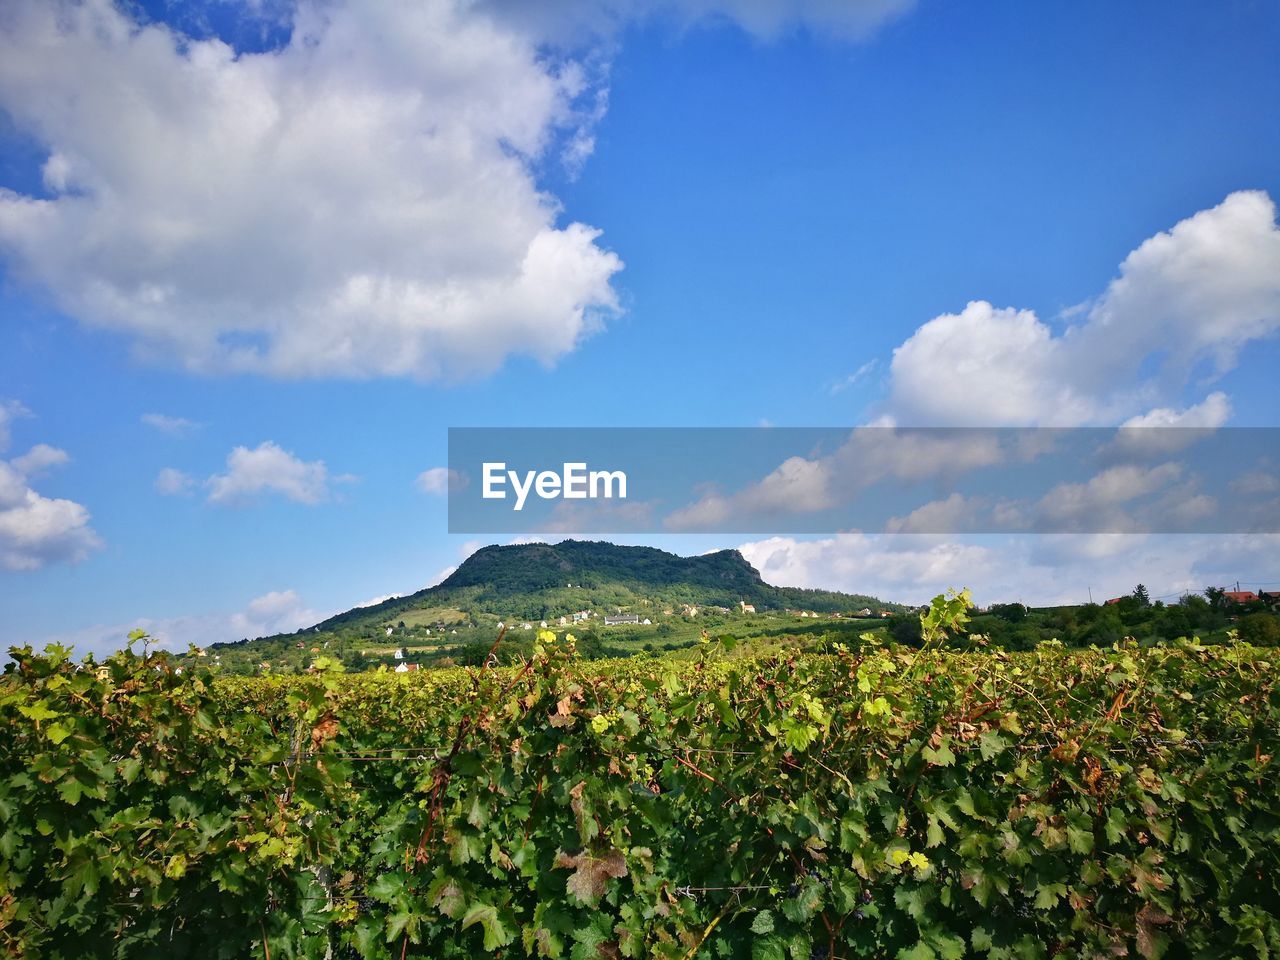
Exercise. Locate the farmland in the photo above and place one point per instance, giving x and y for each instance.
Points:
(883, 801)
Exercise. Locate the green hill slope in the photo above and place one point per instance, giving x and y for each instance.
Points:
(541, 580)
(531, 583)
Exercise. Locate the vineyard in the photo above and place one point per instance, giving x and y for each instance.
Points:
(864, 802)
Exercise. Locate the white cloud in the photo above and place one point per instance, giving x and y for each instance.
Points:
(280, 611)
(36, 530)
(177, 426)
(1102, 499)
(1256, 482)
(1212, 412)
(900, 568)
(10, 410)
(765, 19)
(444, 574)
(360, 202)
(1166, 430)
(1185, 300)
(867, 456)
(268, 468)
(797, 484)
(1048, 569)
(171, 482)
(438, 481)
(853, 378)
(955, 513)
(38, 459)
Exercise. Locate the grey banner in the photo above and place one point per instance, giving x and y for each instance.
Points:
(870, 479)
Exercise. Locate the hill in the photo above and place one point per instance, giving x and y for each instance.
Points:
(530, 583)
(541, 580)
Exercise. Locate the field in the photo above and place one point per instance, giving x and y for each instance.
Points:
(869, 802)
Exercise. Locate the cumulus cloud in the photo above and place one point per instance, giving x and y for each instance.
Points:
(176, 426)
(1047, 569)
(901, 568)
(1186, 301)
(867, 456)
(360, 201)
(36, 530)
(268, 468)
(1212, 412)
(438, 481)
(1102, 499)
(1166, 430)
(280, 611)
(956, 512)
(38, 459)
(171, 482)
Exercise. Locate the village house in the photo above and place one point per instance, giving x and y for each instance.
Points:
(1241, 596)
(400, 653)
(620, 618)
(746, 607)
(406, 667)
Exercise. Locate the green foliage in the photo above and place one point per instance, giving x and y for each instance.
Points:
(1014, 627)
(136, 821)
(1262, 629)
(883, 801)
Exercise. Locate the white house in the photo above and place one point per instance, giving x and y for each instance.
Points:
(400, 653)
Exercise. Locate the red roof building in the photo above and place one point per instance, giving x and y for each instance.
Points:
(1241, 596)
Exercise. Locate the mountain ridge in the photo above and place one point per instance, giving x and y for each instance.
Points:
(536, 580)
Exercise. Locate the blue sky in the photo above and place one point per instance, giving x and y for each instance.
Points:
(339, 254)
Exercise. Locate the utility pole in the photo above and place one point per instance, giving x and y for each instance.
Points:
(1091, 596)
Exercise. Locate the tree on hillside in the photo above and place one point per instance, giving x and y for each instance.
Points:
(1140, 594)
(1217, 598)
(1260, 629)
